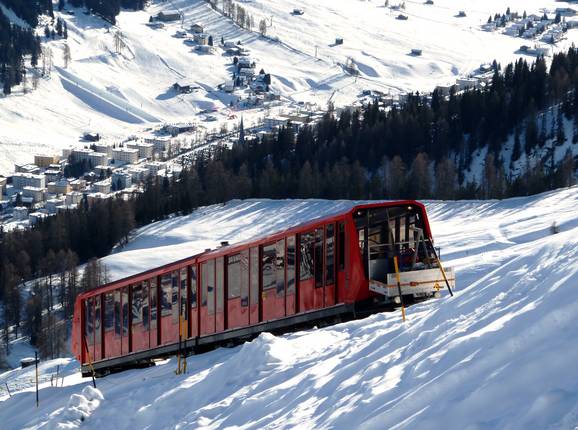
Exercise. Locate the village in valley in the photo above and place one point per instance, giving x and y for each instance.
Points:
(100, 167)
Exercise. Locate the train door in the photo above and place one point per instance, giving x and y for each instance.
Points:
(254, 289)
(182, 320)
(154, 332)
(340, 263)
(111, 342)
(319, 291)
(166, 307)
(220, 295)
(194, 318)
(306, 288)
(89, 329)
(290, 298)
(97, 329)
(207, 310)
(125, 306)
(140, 317)
(330, 278)
(238, 290)
(269, 281)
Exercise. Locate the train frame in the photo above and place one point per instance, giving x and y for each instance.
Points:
(341, 266)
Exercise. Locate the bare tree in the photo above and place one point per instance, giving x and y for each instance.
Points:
(263, 27)
(119, 44)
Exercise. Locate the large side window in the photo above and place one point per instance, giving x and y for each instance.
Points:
(306, 261)
(193, 272)
(254, 276)
(183, 292)
(145, 305)
(330, 255)
(244, 277)
(268, 267)
(97, 329)
(175, 283)
(341, 246)
(117, 320)
(89, 321)
(125, 311)
(280, 267)
(166, 292)
(208, 285)
(319, 257)
(154, 302)
(136, 304)
(234, 276)
(220, 284)
(108, 312)
(291, 265)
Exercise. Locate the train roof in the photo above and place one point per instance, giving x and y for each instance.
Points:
(291, 216)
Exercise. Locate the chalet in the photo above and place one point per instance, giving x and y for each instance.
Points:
(45, 160)
(416, 52)
(245, 62)
(20, 213)
(298, 11)
(90, 137)
(197, 28)
(185, 87)
(339, 40)
(102, 186)
(205, 49)
(168, 15)
(201, 38)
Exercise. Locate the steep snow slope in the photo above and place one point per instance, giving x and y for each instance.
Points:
(500, 354)
(54, 115)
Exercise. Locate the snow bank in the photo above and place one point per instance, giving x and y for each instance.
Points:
(500, 354)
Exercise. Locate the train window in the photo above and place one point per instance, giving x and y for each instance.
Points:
(208, 286)
(183, 306)
(254, 269)
(166, 288)
(306, 261)
(145, 305)
(125, 311)
(108, 312)
(154, 302)
(319, 257)
(193, 272)
(280, 267)
(89, 321)
(175, 296)
(220, 291)
(268, 267)
(97, 316)
(136, 304)
(330, 255)
(234, 276)
(341, 246)
(244, 277)
(117, 313)
(291, 265)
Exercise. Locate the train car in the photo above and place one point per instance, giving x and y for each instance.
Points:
(341, 266)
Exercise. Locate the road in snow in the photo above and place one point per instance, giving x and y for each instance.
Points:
(500, 354)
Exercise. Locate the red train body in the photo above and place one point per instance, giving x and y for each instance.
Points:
(320, 270)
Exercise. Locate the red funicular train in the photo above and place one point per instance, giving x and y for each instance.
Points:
(335, 268)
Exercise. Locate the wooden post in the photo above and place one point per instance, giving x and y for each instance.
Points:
(36, 366)
(8, 389)
(399, 288)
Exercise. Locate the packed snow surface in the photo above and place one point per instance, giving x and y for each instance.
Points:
(500, 354)
(118, 92)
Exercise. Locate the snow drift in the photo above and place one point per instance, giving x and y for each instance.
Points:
(500, 354)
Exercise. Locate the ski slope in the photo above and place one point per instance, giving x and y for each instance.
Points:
(500, 354)
(298, 51)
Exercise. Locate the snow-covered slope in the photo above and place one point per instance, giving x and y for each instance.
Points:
(500, 354)
(101, 90)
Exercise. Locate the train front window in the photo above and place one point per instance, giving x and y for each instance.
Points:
(385, 233)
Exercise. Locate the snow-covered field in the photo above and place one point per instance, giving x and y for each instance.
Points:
(101, 90)
(500, 354)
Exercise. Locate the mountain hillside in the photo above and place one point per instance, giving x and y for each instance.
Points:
(118, 81)
(500, 354)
